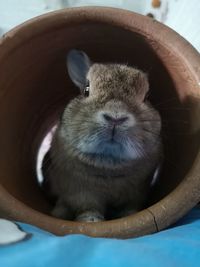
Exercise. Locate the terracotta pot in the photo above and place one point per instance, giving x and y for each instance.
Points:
(34, 87)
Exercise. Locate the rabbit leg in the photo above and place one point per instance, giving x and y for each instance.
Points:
(62, 211)
(126, 212)
(90, 216)
(88, 207)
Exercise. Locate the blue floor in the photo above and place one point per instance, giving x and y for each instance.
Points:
(177, 246)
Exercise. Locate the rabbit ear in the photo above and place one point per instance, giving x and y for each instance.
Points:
(78, 64)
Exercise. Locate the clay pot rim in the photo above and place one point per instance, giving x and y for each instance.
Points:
(154, 32)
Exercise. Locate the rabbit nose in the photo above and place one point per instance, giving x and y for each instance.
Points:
(116, 121)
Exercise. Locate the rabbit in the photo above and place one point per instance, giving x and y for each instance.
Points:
(107, 143)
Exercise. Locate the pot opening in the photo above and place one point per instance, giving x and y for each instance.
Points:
(40, 86)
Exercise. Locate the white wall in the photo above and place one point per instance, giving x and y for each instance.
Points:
(181, 15)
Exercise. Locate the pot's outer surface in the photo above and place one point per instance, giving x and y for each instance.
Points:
(33, 84)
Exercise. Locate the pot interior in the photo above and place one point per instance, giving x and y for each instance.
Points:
(35, 88)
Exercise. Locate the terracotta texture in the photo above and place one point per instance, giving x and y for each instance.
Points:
(34, 87)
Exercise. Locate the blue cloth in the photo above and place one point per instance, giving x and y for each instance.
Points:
(174, 247)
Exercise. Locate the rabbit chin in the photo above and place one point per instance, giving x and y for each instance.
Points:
(110, 150)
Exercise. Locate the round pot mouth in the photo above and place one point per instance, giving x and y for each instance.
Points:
(171, 49)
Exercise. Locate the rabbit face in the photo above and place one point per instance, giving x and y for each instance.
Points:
(110, 123)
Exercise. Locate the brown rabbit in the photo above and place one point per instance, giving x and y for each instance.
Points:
(107, 143)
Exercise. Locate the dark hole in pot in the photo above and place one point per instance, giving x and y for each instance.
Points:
(39, 89)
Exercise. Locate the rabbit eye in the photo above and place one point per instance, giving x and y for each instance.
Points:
(86, 90)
